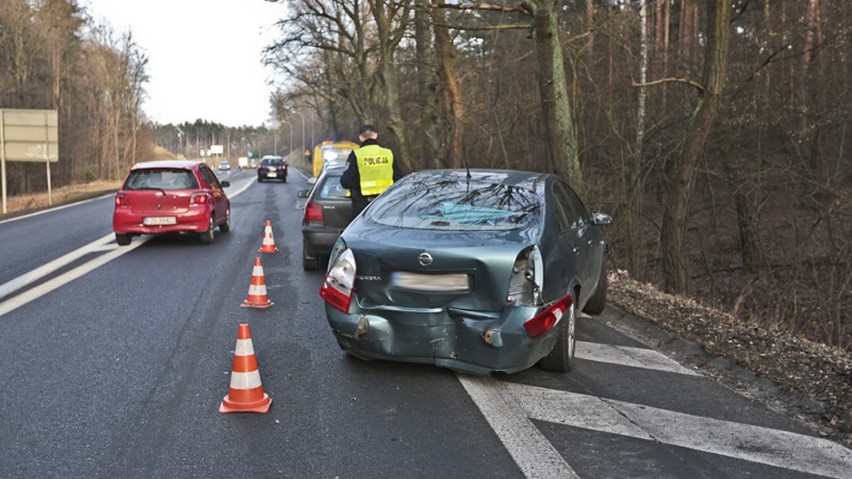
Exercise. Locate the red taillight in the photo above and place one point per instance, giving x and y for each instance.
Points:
(199, 199)
(313, 212)
(339, 285)
(547, 319)
(121, 200)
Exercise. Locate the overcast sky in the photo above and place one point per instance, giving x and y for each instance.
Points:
(204, 56)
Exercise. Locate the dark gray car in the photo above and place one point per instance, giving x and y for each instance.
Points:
(328, 210)
(476, 271)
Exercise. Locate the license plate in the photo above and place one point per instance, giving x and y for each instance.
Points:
(159, 220)
(272, 175)
(431, 282)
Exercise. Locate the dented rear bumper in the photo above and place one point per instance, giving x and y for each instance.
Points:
(471, 342)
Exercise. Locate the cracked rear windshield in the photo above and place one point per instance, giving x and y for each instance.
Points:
(454, 205)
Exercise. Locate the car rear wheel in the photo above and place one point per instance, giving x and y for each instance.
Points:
(122, 240)
(597, 302)
(207, 236)
(226, 226)
(561, 357)
(309, 263)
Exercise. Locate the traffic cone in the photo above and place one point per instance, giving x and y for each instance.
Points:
(257, 297)
(246, 392)
(268, 245)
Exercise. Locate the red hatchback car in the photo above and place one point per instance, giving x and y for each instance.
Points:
(171, 197)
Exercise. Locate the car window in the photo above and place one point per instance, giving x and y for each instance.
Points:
(573, 213)
(161, 179)
(209, 177)
(453, 205)
(331, 189)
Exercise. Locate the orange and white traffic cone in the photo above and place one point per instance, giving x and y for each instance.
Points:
(246, 391)
(268, 245)
(257, 297)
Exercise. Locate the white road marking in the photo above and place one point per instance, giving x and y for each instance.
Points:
(44, 270)
(532, 452)
(630, 356)
(55, 283)
(97, 246)
(742, 441)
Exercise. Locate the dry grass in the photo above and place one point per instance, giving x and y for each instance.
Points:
(59, 196)
(803, 368)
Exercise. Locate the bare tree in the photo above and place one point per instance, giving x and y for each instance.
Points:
(561, 137)
(701, 123)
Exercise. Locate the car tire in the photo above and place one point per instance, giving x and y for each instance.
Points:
(309, 263)
(122, 239)
(561, 357)
(226, 226)
(595, 305)
(208, 236)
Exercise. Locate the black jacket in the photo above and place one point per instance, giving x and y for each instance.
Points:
(351, 179)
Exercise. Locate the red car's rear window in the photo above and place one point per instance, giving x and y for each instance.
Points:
(161, 179)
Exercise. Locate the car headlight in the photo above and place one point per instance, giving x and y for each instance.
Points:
(527, 276)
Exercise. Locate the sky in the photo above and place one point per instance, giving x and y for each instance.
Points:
(204, 56)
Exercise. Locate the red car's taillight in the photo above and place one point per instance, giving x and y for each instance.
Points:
(198, 199)
(339, 285)
(313, 212)
(121, 200)
(547, 319)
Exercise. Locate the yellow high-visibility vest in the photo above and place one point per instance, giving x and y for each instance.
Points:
(375, 166)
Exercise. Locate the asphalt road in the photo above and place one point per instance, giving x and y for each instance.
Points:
(114, 362)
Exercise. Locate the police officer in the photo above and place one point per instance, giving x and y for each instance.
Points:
(370, 171)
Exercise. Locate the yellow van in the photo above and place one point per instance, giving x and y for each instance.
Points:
(331, 152)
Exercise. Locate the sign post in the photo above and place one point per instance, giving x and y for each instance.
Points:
(30, 136)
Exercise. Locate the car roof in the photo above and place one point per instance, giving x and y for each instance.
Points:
(272, 157)
(186, 164)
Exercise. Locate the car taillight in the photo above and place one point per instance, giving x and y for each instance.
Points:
(121, 200)
(547, 319)
(313, 212)
(527, 276)
(339, 285)
(198, 199)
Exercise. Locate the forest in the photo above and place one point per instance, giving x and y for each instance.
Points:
(714, 132)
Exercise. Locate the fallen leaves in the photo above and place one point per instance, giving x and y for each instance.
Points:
(820, 374)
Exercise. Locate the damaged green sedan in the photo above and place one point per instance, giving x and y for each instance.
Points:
(477, 271)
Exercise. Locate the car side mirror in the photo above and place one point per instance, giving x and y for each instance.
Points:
(225, 183)
(303, 193)
(601, 219)
(312, 180)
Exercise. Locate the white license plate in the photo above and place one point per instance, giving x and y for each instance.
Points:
(271, 175)
(431, 282)
(159, 220)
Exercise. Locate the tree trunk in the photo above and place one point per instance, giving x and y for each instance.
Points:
(561, 137)
(633, 172)
(453, 111)
(675, 267)
(388, 80)
(426, 83)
